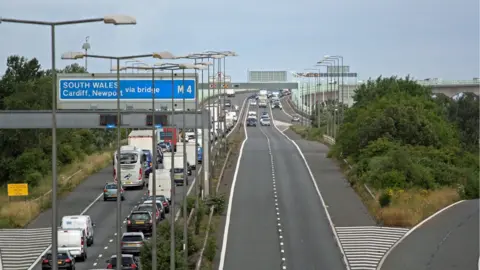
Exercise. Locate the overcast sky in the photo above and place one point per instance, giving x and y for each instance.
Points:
(424, 38)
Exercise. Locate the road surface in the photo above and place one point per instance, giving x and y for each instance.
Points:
(277, 219)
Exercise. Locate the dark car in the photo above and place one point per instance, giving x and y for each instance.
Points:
(166, 202)
(178, 177)
(251, 122)
(140, 221)
(228, 103)
(129, 262)
(132, 242)
(148, 208)
(64, 261)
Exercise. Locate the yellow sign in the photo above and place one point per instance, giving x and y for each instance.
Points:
(17, 190)
(225, 86)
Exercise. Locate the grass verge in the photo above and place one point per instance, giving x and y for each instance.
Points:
(17, 212)
(406, 207)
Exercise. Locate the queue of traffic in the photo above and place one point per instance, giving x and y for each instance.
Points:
(77, 233)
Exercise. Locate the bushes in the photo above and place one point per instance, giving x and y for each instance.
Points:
(400, 137)
(163, 247)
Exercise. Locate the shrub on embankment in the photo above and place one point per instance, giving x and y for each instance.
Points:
(418, 151)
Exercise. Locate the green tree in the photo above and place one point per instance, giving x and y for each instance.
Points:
(25, 154)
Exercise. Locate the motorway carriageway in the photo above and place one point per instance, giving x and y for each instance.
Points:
(85, 199)
(276, 218)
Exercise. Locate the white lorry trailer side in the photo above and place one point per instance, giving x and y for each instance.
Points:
(163, 183)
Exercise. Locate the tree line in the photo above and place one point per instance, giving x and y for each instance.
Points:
(25, 154)
(399, 135)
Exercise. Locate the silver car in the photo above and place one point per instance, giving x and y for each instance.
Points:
(265, 121)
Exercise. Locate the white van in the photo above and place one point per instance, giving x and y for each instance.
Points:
(133, 163)
(73, 241)
(80, 222)
(163, 183)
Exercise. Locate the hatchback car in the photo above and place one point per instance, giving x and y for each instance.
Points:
(129, 262)
(64, 261)
(295, 118)
(265, 121)
(140, 221)
(166, 202)
(147, 206)
(110, 192)
(251, 122)
(178, 176)
(132, 242)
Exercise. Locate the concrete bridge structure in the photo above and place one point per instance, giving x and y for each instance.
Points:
(312, 94)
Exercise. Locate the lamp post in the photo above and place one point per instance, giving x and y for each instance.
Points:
(334, 92)
(201, 179)
(184, 199)
(222, 55)
(340, 73)
(326, 64)
(80, 55)
(115, 20)
(316, 81)
(154, 151)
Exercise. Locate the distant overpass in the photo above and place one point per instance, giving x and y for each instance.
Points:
(320, 93)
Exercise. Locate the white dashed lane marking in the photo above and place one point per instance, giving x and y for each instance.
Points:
(364, 246)
(277, 208)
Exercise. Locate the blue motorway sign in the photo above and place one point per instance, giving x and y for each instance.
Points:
(130, 89)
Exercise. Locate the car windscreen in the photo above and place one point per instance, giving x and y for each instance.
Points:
(73, 224)
(159, 197)
(111, 186)
(60, 256)
(140, 216)
(132, 238)
(145, 208)
(128, 158)
(178, 170)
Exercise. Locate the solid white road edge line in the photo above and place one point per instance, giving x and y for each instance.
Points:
(177, 215)
(277, 207)
(312, 177)
(379, 266)
(99, 196)
(230, 201)
(292, 109)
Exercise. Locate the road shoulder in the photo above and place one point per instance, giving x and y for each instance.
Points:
(344, 205)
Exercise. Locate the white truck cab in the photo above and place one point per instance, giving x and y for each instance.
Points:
(83, 222)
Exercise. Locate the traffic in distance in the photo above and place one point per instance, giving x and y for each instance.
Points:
(77, 232)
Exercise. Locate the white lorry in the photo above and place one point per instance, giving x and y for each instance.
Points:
(230, 92)
(190, 147)
(262, 101)
(163, 183)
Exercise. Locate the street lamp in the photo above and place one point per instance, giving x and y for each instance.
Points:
(184, 201)
(112, 19)
(327, 65)
(200, 182)
(335, 93)
(154, 151)
(219, 55)
(80, 55)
